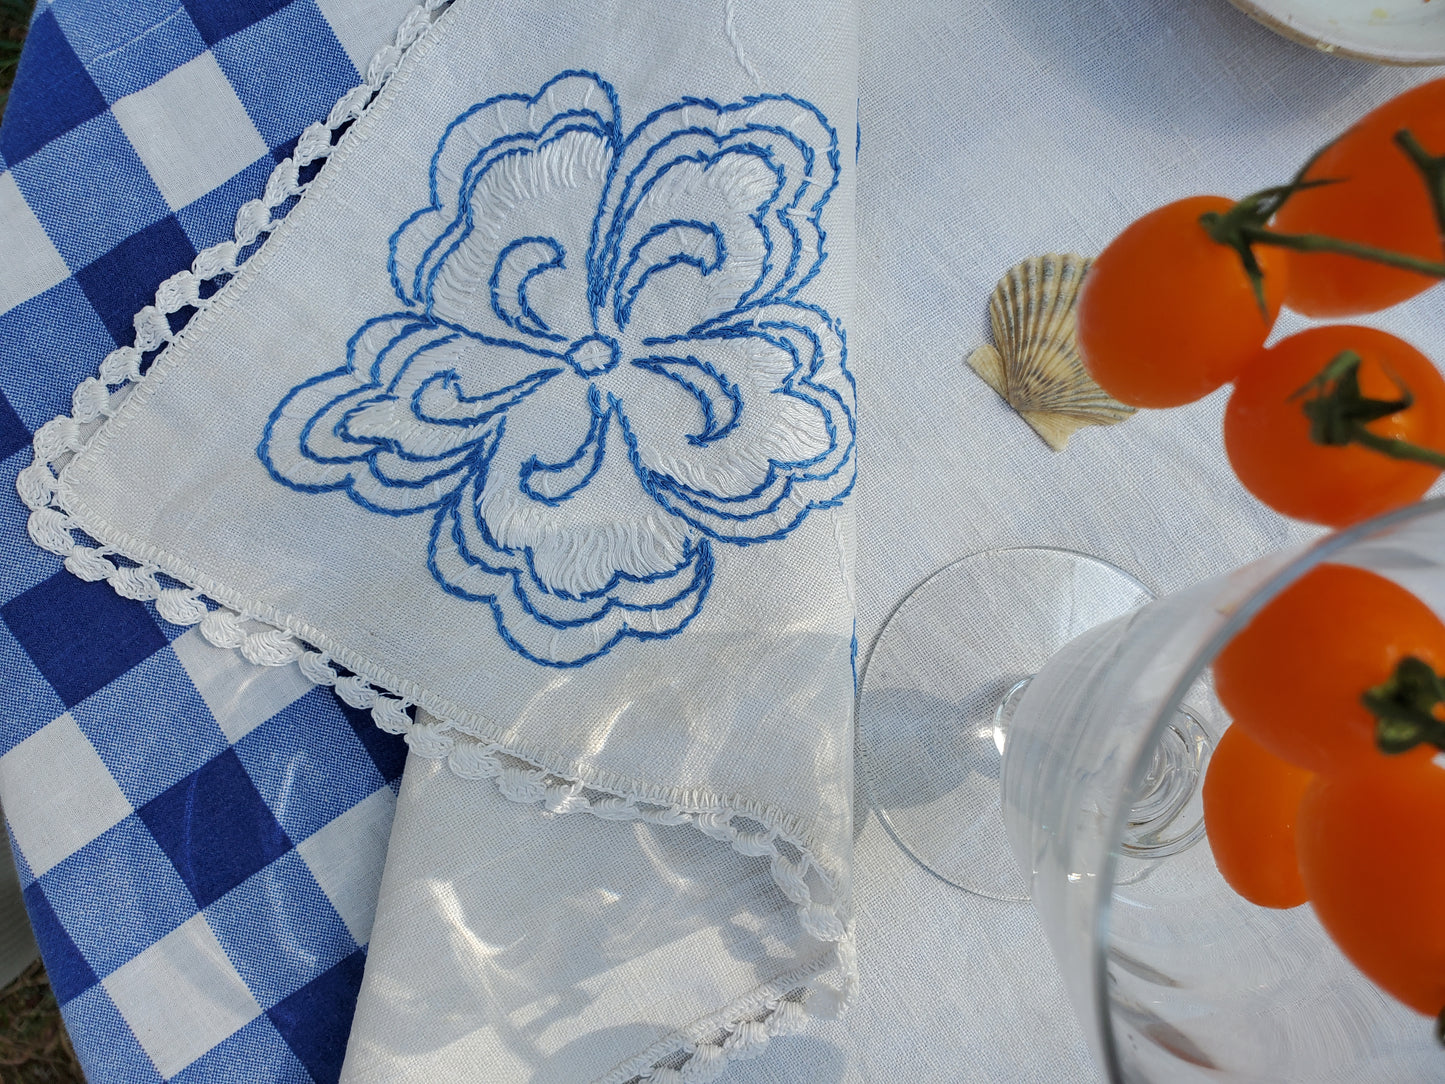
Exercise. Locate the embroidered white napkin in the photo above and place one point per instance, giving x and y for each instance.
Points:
(536, 414)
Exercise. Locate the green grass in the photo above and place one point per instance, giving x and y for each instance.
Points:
(14, 18)
(34, 1048)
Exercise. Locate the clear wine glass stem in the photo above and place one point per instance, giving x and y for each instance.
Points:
(937, 689)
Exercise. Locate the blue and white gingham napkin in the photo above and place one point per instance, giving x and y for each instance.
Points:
(200, 841)
(693, 315)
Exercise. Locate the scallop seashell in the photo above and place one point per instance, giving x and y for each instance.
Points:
(1034, 362)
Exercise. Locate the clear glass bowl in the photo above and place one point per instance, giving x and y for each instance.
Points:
(1174, 976)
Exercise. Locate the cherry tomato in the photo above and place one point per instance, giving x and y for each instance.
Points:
(1380, 200)
(1167, 314)
(1372, 856)
(1251, 798)
(1267, 434)
(1293, 677)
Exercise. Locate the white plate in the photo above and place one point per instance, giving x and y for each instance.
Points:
(1387, 31)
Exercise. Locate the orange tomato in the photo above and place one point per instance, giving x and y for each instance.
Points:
(1267, 434)
(1372, 856)
(1293, 677)
(1251, 799)
(1380, 200)
(1167, 314)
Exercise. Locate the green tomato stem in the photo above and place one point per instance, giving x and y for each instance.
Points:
(1404, 707)
(1241, 225)
(1400, 449)
(1245, 224)
(1339, 412)
(1432, 172)
(1315, 242)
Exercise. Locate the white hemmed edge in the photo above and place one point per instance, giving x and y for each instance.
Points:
(696, 1053)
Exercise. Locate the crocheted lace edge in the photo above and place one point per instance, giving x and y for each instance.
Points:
(696, 1053)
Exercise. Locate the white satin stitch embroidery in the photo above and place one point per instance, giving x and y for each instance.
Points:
(603, 368)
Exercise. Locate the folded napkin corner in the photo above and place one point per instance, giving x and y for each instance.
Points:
(529, 427)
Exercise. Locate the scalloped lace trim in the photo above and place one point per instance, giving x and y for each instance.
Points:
(700, 1052)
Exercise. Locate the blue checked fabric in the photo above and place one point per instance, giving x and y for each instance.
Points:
(200, 841)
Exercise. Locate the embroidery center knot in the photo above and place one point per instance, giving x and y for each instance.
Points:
(594, 355)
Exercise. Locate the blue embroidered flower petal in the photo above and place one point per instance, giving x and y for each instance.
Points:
(555, 631)
(569, 498)
(325, 404)
(316, 417)
(759, 172)
(676, 242)
(562, 177)
(441, 400)
(471, 145)
(365, 429)
(305, 446)
(655, 604)
(791, 447)
(305, 453)
(387, 424)
(385, 345)
(401, 471)
(553, 483)
(719, 400)
(767, 405)
(516, 266)
(659, 589)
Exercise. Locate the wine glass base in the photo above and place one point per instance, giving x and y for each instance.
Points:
(938, 687)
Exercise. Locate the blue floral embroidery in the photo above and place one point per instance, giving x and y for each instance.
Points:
(603, 368)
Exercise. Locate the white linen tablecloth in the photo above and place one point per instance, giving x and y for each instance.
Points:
(987, 132)
(993, 131)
